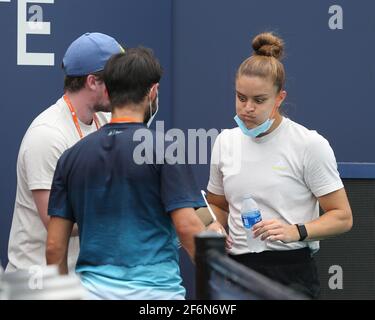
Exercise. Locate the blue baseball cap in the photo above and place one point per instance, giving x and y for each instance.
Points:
(89, 54)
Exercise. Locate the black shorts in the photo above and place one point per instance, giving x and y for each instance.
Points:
(293, 268)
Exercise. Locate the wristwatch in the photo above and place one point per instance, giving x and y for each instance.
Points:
(302, 231)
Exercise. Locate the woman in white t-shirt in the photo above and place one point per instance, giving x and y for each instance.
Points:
(287, 169)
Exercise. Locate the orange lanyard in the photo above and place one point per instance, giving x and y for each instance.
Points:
(75, 118)
(124, 120)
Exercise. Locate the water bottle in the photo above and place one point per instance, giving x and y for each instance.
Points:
(251, 215)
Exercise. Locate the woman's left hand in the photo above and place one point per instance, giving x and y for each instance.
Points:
(274, 230)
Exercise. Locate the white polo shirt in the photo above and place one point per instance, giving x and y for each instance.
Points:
(48, 136)
(284, 171)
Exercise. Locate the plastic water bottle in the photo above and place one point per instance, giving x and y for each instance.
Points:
(251, 215)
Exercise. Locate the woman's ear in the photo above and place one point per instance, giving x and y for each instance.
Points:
(281, 97)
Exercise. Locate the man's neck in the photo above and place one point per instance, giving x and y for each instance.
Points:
(82, 106)
(135, 113)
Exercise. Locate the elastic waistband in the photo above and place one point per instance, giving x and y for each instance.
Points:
(274, 257)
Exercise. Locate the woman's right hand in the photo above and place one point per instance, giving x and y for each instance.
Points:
(217, 227)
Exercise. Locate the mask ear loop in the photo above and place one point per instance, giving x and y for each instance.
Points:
(150, 104)
(152, 116)
(154, 87)
(273, 112)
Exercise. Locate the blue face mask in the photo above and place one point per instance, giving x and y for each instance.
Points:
(255, 132)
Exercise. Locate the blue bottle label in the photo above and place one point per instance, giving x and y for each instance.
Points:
(251, 218)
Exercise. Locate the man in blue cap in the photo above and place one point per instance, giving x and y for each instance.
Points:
(72, 117)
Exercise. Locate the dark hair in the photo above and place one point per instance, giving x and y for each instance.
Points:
(265, 61)
(75, 84)
(129, 76)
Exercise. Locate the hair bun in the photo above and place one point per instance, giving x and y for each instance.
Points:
(267, 44)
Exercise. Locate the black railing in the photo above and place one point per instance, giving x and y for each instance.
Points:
(220, 278)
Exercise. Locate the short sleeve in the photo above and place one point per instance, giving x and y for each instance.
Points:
(58, 204)
(320, 167)
(215, 183)
(43, 147)
(178, 187)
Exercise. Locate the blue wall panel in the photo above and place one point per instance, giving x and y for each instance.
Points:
(330, 73)
(200, 43)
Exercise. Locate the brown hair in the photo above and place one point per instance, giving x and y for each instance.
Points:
(265, 61)
(75, 84)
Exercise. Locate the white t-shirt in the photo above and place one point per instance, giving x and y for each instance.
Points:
(48, 136)
(284, 171)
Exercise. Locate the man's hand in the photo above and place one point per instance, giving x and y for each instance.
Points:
(274, 230)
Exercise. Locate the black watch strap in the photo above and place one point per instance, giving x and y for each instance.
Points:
(302, 231)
